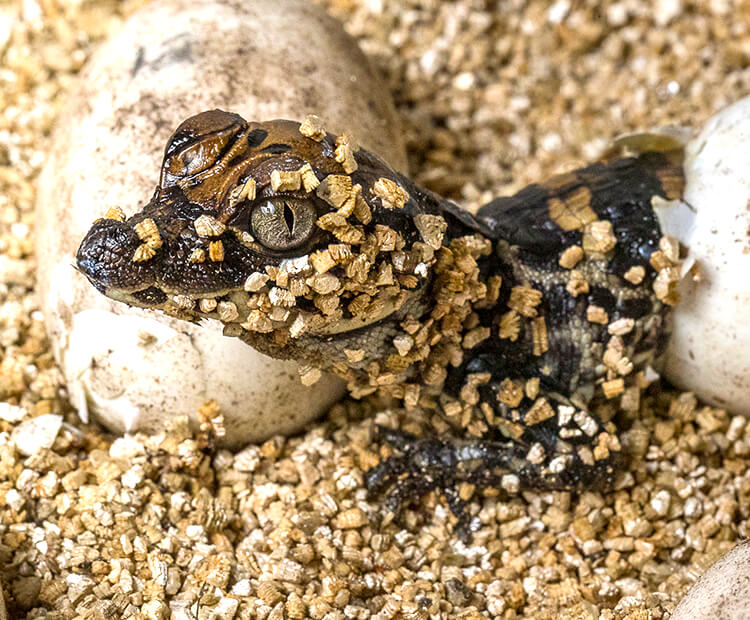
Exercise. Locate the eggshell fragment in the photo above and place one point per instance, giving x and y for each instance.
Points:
(709, 352)
(134, 369)
(722, 592)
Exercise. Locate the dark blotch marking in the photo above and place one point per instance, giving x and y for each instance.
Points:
(139, 57)
(151, 295)
(256, 137)
(176, 49)
(277, 149)
(602, 297)
(635, 308)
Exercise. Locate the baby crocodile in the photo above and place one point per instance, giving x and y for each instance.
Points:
(525, 327)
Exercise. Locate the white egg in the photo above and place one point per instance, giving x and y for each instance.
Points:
(722, 592)
(135, 369)
(709, 352)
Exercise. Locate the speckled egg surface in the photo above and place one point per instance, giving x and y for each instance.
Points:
(722, 592)
(134, 369)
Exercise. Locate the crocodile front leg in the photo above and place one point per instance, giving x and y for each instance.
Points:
(455, 467)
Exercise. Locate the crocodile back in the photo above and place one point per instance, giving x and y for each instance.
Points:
(588, 281)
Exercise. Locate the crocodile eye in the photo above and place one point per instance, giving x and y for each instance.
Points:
(283, 223)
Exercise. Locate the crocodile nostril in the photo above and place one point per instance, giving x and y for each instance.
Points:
(105, 257)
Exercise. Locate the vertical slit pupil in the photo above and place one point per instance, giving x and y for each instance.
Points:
(289, 218)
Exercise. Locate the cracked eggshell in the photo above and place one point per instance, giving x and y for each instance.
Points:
(134, 369)
(722, 592)
(709, 351)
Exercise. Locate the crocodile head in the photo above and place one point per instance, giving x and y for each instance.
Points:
(300, 242)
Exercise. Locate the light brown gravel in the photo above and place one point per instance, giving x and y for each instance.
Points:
(493, 95)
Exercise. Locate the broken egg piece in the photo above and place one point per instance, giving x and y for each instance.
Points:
(709, 350)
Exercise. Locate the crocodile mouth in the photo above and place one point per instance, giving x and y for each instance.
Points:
(235, 309)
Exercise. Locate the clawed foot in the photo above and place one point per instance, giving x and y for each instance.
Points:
(429, 464)
(424, 464)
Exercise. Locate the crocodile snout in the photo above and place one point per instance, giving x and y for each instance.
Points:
(112, 257)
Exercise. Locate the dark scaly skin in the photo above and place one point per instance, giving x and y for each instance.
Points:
(443, 317)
